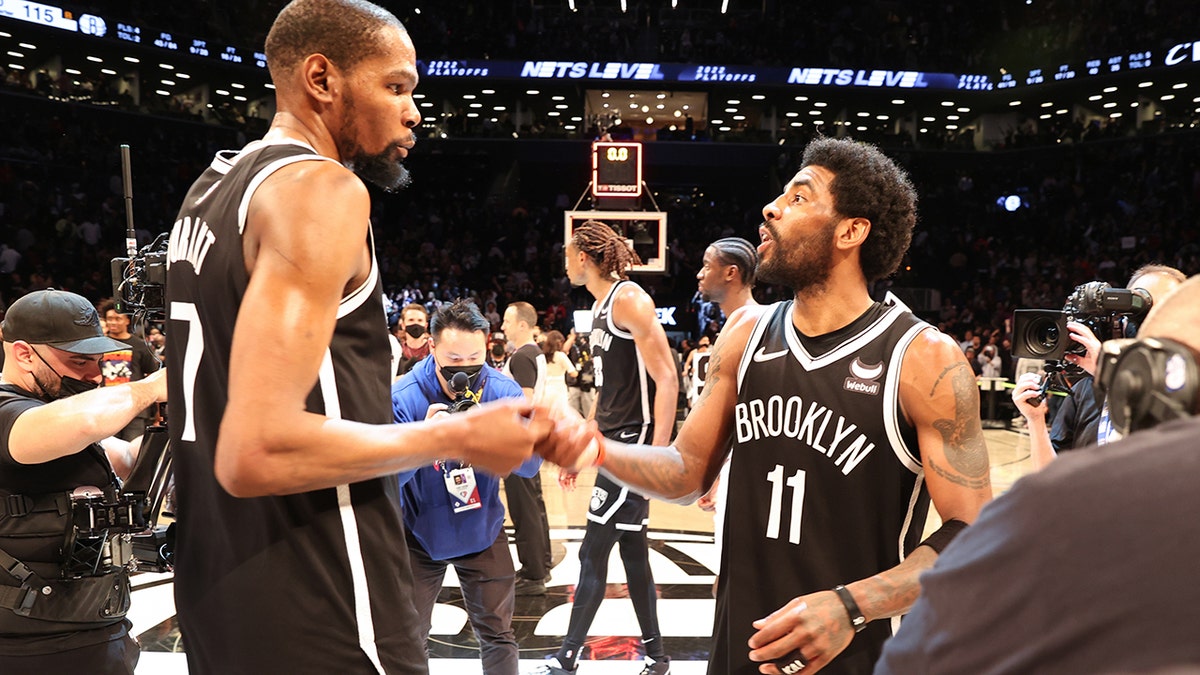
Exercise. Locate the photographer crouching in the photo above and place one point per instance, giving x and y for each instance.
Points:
(64, 546)
(452, 513)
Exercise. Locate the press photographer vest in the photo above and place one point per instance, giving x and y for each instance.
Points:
(35, 528)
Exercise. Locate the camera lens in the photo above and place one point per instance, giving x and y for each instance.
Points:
(1042, 337)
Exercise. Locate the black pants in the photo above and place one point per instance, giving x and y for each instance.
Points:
(115, 657)
(487, 587)
(528, 512)
(598, 542)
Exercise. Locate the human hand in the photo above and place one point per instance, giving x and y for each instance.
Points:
(566, 479)
(709, 501)
(1029, 387)
(573, 443)
(1084, 336)
(499, 436)
(815, 626)
(435, 409)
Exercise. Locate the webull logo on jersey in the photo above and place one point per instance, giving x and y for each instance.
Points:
(776, 416)
(863, 378)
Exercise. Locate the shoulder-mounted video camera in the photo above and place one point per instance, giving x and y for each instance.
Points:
(1108, 312)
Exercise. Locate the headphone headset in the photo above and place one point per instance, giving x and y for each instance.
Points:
(1147, 381)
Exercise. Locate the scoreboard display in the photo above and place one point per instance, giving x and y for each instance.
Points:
(616, 169)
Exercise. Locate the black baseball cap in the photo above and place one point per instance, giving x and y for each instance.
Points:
(61, 319)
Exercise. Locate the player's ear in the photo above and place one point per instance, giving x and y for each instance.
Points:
(319, 77)
(852, 232)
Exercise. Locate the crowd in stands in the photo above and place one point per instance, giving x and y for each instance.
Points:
(1091, 211)
(943, 36)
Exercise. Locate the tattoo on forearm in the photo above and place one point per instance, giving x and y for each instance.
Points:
(963, 436)
(710, 379)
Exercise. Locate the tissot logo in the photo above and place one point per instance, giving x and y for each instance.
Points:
(863, 378)
(577, 70)
(905, 79)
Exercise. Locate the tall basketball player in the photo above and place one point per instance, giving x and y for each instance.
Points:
(845, 416)
(291, 554)
(636, 385)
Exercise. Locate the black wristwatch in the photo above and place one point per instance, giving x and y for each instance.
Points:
(857, 620)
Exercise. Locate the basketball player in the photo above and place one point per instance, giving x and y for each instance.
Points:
(636, 384)
(291, 554)
(845, 415)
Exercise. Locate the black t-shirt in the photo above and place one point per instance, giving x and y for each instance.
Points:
(527, 366)
(1077, 419)
(37, 542)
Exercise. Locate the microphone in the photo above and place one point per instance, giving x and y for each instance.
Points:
(459, 383)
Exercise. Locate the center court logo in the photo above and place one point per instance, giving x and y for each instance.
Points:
(863, 378)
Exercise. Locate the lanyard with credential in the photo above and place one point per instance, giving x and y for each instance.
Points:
(460, 484)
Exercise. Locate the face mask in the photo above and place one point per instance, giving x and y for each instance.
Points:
(414, 330)
(67, 386)
(472, 373)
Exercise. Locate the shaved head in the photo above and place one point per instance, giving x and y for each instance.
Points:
(1176, 316)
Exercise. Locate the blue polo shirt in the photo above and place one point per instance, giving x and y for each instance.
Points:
(428, 511)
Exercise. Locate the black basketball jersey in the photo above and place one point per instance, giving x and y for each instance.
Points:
(624, 390)
(316, 582)
(825, 481)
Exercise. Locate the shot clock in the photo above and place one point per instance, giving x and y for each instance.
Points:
(616, 169)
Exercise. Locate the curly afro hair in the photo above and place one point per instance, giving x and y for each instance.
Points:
(867, 184)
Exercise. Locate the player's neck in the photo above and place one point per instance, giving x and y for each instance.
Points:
(735, 300)
(818, 311)
(288, 126)
(600, 286)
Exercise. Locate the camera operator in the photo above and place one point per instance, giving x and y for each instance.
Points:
(453, 513)
(1118, 593)
(1077, 421)
(55, 616)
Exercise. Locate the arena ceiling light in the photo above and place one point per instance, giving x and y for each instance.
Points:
(1114, 115)
(963, 109)
(16, 66)
(718, 121)
(1061, 111)
(26, 45)
(758, 97)
(878, 117)
(1110, 104)
(222, 92)
(160, 92)
(791, 114)
(489, 91)
(133, 59)
(237, 85)
(108, 71)
(183, 76)
(475, 105)
(240, 98)
(169, 83)
(535, 92)
(1044, 117)
(738, 118)
(95, 59)
(72, 71)
(17, 55)
(1014, 103)
(418, 96)
(1048, 104)
(1167, 97)
(801, 98)
(897, 101)
(1109, 90)
(499, 108)
(166, 66)
(559, 97)
(1179, 85)
(469, 97)
(820, 104)
(1143, 85)
(1095, 97)
(952, 118)
(660, 96)
(269, 85)
(951, 127)
(927, 119)
(948, 104)
(864, 114)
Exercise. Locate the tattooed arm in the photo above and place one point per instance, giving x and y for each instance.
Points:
(939, 396)
(684, 471)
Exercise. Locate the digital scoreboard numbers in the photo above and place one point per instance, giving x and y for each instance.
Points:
(616, 169)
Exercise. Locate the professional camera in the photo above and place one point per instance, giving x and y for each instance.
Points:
(140, 281)
(1043, 334)
(464, 399)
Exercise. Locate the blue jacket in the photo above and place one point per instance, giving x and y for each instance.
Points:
(428, 513)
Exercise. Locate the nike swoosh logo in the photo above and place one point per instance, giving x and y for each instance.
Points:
(761, 356)
(628, 435)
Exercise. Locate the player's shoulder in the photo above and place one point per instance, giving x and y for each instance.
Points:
(931, 347)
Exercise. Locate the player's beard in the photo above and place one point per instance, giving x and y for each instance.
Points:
(384, 169)
(801, 264)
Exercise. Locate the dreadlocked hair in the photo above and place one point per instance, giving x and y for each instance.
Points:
(606, 248)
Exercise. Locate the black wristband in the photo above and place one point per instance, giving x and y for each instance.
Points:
(939, 540)
(857, 620)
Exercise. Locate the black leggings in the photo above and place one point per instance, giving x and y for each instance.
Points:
(593, 578)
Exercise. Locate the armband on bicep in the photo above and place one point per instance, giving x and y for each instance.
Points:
(940, 539)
